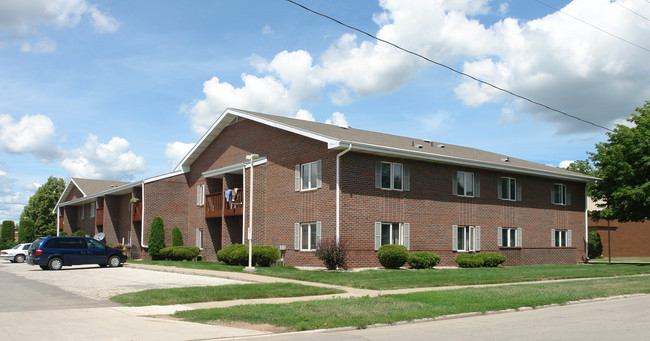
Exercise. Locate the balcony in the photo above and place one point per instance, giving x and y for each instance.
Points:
(136, 211)
(99, 216)
(216, 205)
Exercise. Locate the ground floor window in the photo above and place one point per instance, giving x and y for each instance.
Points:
(509, 236)
(199, 238)
(391, 233)
(307, 236)
(466, 238)
(561, 238)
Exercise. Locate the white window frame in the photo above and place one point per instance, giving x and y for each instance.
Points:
(461, 178)
(199, 238)
(311, 237)
(307, 175)
(403, 237)
(393, 174)
(509, 240)
(200, 195)
(562, 194)
(471, 238)
(560, 238)
(511, 193)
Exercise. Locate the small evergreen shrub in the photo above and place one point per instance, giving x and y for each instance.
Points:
(595, 245)
(492, 259)
(180, 253)
(156, 237)
(392, 256)
(177, 237)
(264, 255)
(423, 260)
(29, 232)
(469, 260)
(334, 256)
(79, 233)
(226, 254)
(62, 234)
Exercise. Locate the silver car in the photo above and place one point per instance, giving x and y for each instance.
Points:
(17, 254)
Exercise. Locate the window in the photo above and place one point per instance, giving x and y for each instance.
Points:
(465, 184)
(466, 238)
(92, 210)
(561, 238)
(81, 211)
(509, 189)
(309, 176)
(199, 238)
(392, 176)
(560, 195)
(509, 236)
(307, 236)
(200, 195)
(392, 233)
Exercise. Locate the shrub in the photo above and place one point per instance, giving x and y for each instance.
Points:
(180, 252)
(62, 234)
(334, 256)
(595, 245)
(392, 256)
(156, 237)
(79, 233)
(265, 255)
(118, 246)
(492, 259)
(177, 237)
(469, 260)
(225, 254)
(7, 234)
(28, 233)
(423, 260)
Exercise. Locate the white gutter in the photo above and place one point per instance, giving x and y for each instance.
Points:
(142, 244)
(338, 192)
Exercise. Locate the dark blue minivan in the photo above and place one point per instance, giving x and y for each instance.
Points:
(55, 252)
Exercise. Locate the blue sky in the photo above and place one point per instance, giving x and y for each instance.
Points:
(120, 90)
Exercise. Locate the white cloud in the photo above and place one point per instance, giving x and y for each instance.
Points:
(30, 135)
(338, 119)
(176, 151)
(103, 23)
(305, 115)
(112, 161)
(566, 163)
(267, 30)
(44, 45)
(12, 203)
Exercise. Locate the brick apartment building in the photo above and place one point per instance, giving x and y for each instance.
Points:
(315, 181)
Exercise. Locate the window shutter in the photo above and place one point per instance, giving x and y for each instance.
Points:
(568, 197)
(377, 174)
(454, 237)
(407, 235)
(553, 194)
(197, 239)
(518, 184)
(477, 234)
(319, 170)
(296, 237)
(318, 234)
(454, 183)
(297, 178)
(477, 185)
(552, 237)
(198, 191)
(500, 190)
(519, 230)
(499, 236)
(377, 235)
(568, 238)
(202, 195)
(407, 178)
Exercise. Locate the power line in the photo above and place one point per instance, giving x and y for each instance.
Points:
(449, 67)
(594, 26)
(642, 16)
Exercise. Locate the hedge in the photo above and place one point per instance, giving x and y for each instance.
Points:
(79, 233)
(392, 256)
(177, 236)
(225, 254)
(423, 259)
(237, 254)
(477, 260)
(595, 245)
(492, 259)
(180, 252)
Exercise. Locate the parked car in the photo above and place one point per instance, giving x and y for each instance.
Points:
(55, 252)
(17, 254)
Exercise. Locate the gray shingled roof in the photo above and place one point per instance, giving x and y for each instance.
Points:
(91, 187)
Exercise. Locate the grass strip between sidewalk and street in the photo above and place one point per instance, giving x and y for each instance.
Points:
(218, 293)
(397, 279)
(364, 311)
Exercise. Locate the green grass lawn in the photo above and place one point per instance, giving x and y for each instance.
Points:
(396, 279)
(364, 311)
(218, 293)
(622, 259)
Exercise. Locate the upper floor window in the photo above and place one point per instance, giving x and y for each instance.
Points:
(509, 189)
(560, 195)
(392, 176)
(509, 236)
(465, 184)
(309, 176)
(561, 238)
(466, 238)
(392, 233)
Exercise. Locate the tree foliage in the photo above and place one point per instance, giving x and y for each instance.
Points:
(41, 205)
(582, 166)
(623, 164)
(26, 232)
(7, 234)
(156, 237)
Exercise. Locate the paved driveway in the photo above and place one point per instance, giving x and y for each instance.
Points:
(101, 283)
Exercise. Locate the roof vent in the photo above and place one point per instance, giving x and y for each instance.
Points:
(419, 146)
(441, 146)
(344, 126)
(505, 159)
(112, 186)
(426, 141)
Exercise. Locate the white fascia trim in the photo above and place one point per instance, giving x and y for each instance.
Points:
(65, 193)
(91, 198)
(402, 153)
(233, 168)
(162, 176)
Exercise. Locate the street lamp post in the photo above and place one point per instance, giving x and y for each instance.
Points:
(250, 267)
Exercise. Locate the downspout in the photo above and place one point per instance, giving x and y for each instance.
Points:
(243, 220)
(338, 192)
(586, 227)
(58, 219)
(142, 221)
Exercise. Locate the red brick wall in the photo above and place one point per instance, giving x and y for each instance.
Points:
(117, 218)
(628, 239)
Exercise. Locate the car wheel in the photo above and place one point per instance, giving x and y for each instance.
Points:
(45, 267)
(114, 261)
(19, 258)
(55, 264)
